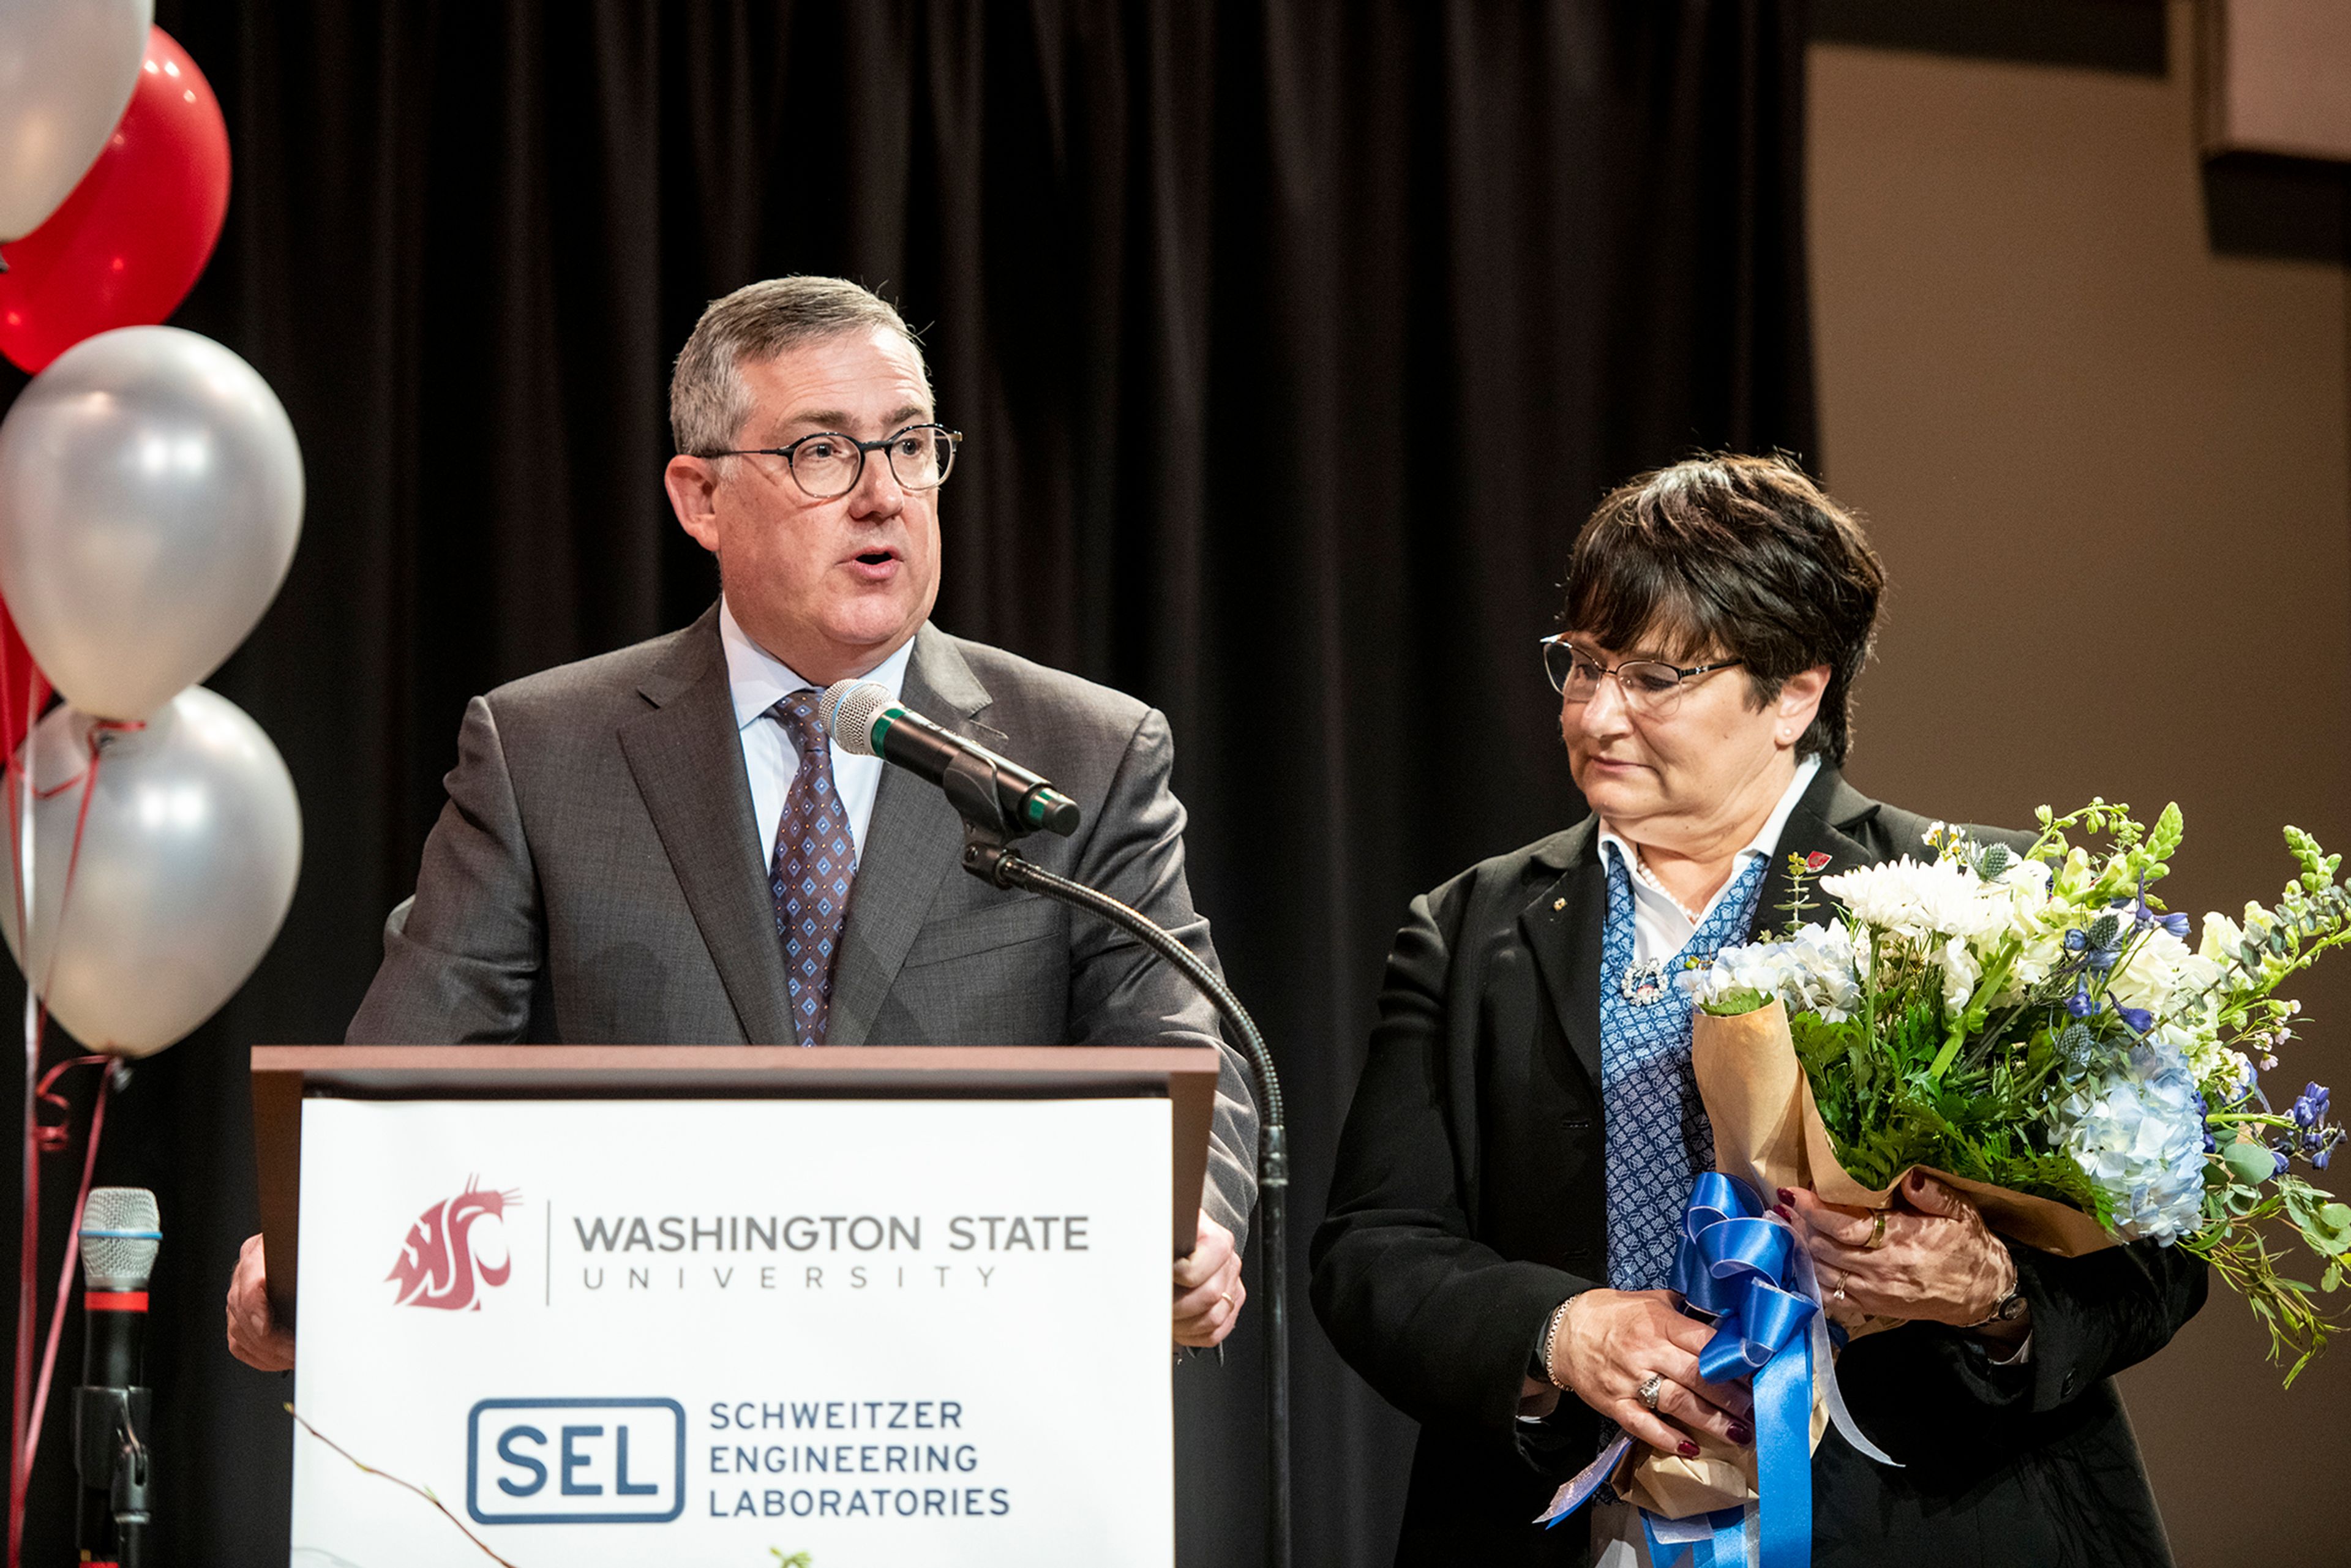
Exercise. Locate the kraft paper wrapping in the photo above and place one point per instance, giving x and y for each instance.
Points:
(1768, 1133)
(1720, 1476)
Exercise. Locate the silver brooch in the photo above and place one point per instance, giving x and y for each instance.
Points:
(1645, 982)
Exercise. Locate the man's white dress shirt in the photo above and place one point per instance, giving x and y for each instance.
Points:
(772, 753)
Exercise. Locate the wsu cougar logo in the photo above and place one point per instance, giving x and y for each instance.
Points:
(437, 1265)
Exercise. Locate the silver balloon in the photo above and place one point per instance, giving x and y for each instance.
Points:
(150, 495)
(67, 68)
(187, 866)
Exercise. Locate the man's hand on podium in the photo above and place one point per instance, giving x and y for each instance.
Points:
(1208, 1289)
(253, 1336)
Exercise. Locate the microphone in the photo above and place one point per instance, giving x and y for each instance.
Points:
(865, 720)
(121, 1233)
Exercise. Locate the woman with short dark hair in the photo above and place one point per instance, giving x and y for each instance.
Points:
(1504, 1214)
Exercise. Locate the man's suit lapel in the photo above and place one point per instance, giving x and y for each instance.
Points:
(1563, 929)
(686, 757)
(913, 841)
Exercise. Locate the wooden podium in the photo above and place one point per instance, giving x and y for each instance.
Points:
(715, 1317)
(285, 1075)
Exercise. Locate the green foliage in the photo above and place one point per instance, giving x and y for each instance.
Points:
(2249, 1162)
(1730, 1004)
(2238, 1252)
(1885, 1112)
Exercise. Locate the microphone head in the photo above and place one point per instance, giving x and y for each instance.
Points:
(120, 1231)
(848, 710)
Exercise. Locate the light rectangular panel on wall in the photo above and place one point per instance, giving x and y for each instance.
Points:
(2276, 77)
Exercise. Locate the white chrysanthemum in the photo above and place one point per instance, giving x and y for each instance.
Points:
(2138, 1134)
(1907, 899)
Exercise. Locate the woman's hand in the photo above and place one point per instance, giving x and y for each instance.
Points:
(1936, 1261)
(1608, 1343)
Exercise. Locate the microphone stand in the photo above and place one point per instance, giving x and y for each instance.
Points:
(988, 854)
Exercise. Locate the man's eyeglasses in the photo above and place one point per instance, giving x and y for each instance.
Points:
(828, 465)
(1651, 687)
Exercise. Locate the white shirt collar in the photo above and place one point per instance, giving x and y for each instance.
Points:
(758, 679)
(1762, 843)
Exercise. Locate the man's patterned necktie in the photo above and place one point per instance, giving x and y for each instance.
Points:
(814, 863)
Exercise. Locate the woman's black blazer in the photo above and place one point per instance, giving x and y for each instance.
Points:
(1468, 1204)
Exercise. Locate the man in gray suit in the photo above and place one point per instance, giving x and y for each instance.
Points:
(661, 845)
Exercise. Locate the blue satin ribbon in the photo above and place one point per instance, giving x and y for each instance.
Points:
(1716, 1540)
(1737, 1264)
(1739, 1267)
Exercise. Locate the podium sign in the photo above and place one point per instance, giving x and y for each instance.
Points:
(725, 1331)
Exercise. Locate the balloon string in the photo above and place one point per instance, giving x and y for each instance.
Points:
(54, 1140)
(29, 1239)
(25, 1411)
(88, 780)
(100, 731)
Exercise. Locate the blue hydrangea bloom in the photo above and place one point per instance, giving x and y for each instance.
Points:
(2138, 1132)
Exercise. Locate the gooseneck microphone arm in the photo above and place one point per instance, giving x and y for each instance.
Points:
(996, 800)
(986, 856)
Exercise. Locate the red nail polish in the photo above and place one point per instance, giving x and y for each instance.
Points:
(1783, 1211)
(1741, 1435)
(1688, 1450)
(1787, 1197)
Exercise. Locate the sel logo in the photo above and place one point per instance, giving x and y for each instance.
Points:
(575, 1461)
(438, 1264)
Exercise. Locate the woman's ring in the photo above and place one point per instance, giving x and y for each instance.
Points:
(1649, 1387)
(1838, 1294)
(1876, 1233)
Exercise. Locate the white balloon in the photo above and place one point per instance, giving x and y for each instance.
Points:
(67, 68)
(187, 866)
(151, 496)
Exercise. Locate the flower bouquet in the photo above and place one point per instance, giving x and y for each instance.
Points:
(2032, 1028)
(2035, 1028)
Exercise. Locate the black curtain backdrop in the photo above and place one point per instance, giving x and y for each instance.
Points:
(1292, 343)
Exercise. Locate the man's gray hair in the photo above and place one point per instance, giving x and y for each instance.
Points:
(707, 400)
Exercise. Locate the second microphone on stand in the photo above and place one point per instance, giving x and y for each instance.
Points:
(120, 1231)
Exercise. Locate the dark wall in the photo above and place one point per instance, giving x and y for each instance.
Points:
(1291, 343)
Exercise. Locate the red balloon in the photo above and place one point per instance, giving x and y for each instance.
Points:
(24, 690)
(127, 246)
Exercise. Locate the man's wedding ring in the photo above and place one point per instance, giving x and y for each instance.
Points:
(1649, 1387)
(1876, 1233)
